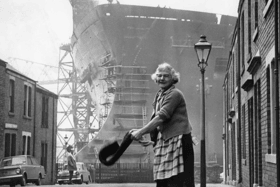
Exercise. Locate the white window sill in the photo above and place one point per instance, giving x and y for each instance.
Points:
(271, 158)
(267, 6)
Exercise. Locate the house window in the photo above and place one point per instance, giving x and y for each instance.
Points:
(45, 111)
(249, 29)
(26, 141)
(237, 75)
(268, 111)
(12, 96)
(233, 151)
(251, 142)
(242, 30)
(27, 101)
(272, 120)
(10, 144)
(233, 74)
(256, 14)
(257, 134)
(44, 154)
(243, 132)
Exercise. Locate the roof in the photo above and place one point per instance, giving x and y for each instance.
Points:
(43, 90)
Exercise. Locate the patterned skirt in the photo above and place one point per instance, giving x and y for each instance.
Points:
(174, 162)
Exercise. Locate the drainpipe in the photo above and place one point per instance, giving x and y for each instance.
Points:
(34, 127)
(239, 106)
(226, 138)
(53, 141)
(276, 91)
(224, 134)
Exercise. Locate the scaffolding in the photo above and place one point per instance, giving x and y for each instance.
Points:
(76, 114)
(131, 90)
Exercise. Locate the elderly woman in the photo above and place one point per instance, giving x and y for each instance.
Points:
(170, 129)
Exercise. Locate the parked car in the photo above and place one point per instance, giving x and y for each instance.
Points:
(81, 175)
(21, 169)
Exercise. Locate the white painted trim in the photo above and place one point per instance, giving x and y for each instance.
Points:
(11, 126)
(269, 57)
(25, 133)
(266, 8)
(28, 84)
(12, 77)
(271, 158)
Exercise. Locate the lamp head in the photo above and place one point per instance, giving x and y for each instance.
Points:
(202, 49)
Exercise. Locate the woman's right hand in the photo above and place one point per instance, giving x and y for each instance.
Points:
(135, 134)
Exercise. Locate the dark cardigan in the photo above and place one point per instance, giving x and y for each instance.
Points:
(172, 109)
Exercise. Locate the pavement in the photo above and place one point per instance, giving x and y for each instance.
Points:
(215, 185)
(147, 185)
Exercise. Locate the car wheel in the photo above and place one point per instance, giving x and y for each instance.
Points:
(81, 180)
(60, 183)
(38, 181)
(12, 185)
(89, 180)
(23, 181)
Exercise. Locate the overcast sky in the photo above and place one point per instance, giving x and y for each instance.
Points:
(34, 29)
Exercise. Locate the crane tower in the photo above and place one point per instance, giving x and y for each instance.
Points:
(77, 118)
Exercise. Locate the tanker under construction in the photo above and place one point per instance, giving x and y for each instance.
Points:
(104, 84)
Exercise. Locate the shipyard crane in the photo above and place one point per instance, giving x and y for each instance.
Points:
(77, 118)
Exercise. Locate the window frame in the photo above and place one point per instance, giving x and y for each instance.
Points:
(44, 155)
(12, 95)
(45, 111)
(26, 143)
(27, 101)
(270, 156)
(249, 47)
(10, 146)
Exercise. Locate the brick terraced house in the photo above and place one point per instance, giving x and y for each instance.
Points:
(28, 117)
(250, 98)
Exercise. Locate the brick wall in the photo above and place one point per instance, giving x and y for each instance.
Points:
(47, 135)
(262, 45)
(266, 42)
(31, 125)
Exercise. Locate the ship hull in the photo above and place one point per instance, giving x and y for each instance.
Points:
(117, 47)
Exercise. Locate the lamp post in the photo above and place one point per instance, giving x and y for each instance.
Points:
(202, 49)
(66, 138)
(65, 147)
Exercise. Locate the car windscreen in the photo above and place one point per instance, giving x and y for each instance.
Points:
(65, 167)
(80, 167)
(13, 161)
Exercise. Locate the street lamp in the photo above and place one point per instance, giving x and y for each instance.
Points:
(202, 49)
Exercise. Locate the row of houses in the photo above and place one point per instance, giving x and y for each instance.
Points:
(250, 97)
(28, 117)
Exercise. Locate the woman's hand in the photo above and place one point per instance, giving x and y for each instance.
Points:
(136, 134)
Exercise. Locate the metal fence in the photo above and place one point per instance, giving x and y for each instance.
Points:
(142, 173)
(124, 172)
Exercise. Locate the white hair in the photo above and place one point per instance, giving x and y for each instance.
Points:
(166, 67)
